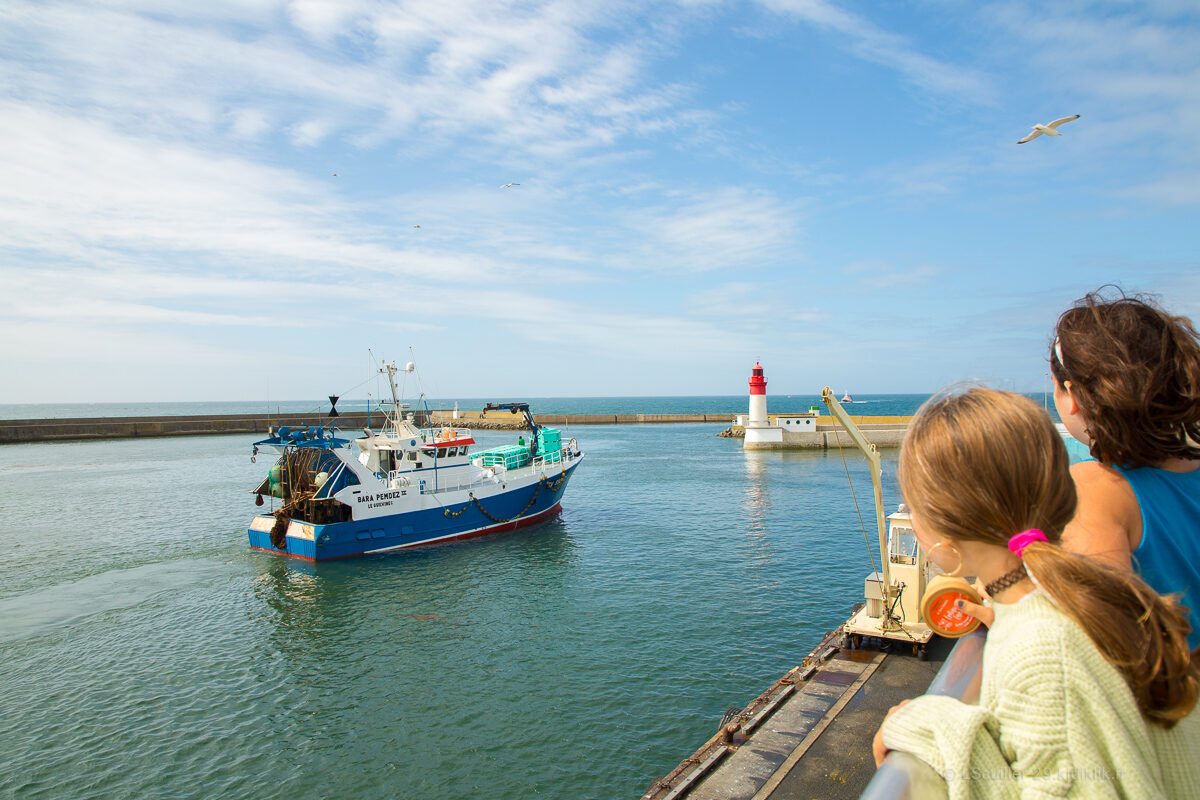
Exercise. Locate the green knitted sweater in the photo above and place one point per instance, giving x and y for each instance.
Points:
(1054, 719)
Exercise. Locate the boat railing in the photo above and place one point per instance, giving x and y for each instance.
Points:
(450, 488)
(553, 461)
(445, 434)
(903, 775)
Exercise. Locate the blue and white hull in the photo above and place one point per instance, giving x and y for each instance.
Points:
(463, 515)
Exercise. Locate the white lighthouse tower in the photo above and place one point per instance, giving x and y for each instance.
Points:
(759, 432)
(758, 396)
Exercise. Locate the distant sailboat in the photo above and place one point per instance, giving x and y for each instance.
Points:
(846, 398)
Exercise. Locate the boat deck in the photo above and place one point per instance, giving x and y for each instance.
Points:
(809, 735)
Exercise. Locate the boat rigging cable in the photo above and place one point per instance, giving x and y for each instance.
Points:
(861, 524)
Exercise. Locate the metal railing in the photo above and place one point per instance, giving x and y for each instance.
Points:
(440, 434)
(906, 776)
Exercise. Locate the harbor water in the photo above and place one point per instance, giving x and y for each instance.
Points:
(148, 652)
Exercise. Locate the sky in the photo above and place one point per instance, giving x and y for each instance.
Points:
(248, 199)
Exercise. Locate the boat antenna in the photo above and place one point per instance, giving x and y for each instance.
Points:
(390, 370)
(411, 366)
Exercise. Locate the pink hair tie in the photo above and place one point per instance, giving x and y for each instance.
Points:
(1020, 541)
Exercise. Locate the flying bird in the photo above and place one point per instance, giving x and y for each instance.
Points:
(1049, 130)
(416, 226)
(509, 185)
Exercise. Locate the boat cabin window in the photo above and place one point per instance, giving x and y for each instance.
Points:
(412, 455)
(387, 460)
(451, 451)
(463, 450)
(903, 545)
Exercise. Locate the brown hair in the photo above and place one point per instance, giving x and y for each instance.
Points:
(984, 465)
(1135, 373)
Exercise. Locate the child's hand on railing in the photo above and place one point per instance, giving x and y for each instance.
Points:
(878, 748)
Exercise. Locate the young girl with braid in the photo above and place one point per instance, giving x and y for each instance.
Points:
(1127, 384)
(1088, 683)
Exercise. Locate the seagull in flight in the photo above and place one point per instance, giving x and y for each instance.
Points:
(509, 185)
(1049, 130)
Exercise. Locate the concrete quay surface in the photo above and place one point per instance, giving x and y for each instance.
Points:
(808, 736)
(49, 430)
(879, 431)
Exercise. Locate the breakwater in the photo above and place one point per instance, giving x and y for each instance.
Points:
(881, 431)
(48, 430)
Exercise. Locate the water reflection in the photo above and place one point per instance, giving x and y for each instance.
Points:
(316, 610)
(756, 508)
(756, 500)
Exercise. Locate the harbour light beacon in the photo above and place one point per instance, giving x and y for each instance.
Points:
(758, 395)
(760, 431)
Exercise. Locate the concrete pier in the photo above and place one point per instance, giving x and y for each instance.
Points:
(809, 735)
(883, 431)
(880, 431)
(49, 430)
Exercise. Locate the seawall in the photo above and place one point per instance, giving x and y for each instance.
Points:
(880, 431)
(50, 430)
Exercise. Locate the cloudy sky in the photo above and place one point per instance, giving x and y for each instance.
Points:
(217, 200)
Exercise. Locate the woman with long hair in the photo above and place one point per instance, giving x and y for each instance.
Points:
(1127, 385)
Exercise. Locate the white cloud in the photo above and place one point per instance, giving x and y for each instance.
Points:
(722, 227)
(872, 43)
(876, 275)
(1135, 71)
(775, 301)
(1171, 190)
(80, 191)
(549, 78)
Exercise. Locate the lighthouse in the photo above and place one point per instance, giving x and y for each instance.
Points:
(759, 432)
(758, 397)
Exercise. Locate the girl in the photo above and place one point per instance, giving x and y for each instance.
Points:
(1127, 383)
(1087, 681)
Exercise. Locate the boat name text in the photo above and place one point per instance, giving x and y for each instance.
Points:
(375, 498)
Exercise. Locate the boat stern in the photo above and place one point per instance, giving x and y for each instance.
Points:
(299, 538)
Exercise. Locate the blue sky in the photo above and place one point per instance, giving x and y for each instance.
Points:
(220, 200)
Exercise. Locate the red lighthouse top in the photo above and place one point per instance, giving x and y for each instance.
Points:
(758, 383)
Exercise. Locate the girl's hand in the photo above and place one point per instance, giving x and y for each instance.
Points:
(878, 748)
(984, 612)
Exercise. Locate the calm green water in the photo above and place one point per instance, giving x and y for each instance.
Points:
(147, 652)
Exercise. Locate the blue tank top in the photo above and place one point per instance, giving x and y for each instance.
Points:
(1168, 557)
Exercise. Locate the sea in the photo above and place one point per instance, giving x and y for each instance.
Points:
(147, 651)
(879, 405)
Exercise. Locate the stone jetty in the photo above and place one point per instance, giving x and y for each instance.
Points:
(50, 430)
(883, 431)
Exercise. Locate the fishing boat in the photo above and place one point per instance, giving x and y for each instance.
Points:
(404, 485)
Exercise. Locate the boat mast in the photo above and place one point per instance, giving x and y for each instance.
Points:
(390, 370)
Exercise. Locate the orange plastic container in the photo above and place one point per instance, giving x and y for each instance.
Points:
(939, 610)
